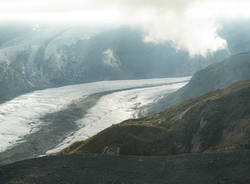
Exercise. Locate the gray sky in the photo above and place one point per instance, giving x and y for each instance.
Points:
(189, 24)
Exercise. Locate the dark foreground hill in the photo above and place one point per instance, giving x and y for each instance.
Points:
(212, 168)
(216, 121)
(216, 76)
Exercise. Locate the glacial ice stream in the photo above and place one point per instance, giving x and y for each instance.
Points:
(20, 117)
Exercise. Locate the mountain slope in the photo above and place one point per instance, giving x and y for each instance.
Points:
(219, 75)
(12, 83)
(51, 56)
(216, 121)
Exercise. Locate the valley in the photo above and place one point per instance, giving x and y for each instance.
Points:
(49, 120)
(124, 92)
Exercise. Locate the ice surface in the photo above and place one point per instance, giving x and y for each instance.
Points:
(114, 108)
(21, 116)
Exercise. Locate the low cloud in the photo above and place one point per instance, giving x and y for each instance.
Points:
(110, 59)
(188, 24)
(171, 21)
(198, 37)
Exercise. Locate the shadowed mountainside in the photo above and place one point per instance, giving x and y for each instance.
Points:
(219, 75)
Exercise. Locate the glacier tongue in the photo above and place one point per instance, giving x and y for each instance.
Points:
(114, 108)
(21, 116)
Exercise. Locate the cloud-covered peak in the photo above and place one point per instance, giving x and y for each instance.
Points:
(188, 24)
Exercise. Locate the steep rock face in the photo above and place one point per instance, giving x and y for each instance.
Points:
(216, 121)
(219, 75)
(12, 83)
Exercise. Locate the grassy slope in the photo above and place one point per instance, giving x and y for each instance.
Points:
(216, 121)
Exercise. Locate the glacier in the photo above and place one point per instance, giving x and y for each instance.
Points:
(114, 108)
(21, 116)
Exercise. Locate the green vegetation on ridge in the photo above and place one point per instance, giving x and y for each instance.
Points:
(216, 121)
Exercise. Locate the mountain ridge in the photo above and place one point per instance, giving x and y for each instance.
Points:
(215, 76)
(216, 121)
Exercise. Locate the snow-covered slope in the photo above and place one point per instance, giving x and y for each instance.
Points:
(21, 116)
(51, 38)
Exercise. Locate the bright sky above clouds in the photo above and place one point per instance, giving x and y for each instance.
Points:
(189, 24)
